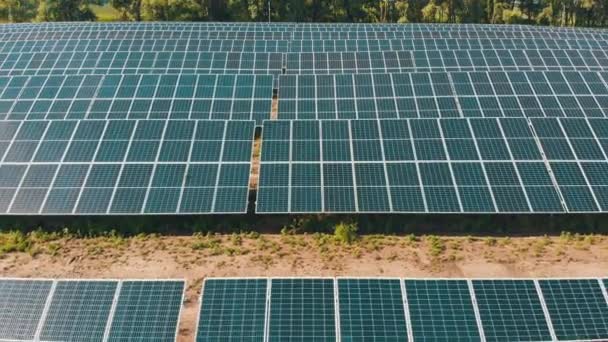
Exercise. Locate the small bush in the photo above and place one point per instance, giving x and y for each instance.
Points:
(346, 232)
(436, 245)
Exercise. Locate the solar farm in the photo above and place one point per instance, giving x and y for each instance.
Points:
(255, 120)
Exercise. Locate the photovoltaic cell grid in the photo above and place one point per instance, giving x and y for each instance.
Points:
(511, 310)
(441, 310)
(374, 309)
(434, 165)
(456, 94)
(371, 309)
(185, 96)
(89, 310)
(233, 309)
(577, 308)
(302, 310)
(125, 166)
(22, 303)
(444, 60)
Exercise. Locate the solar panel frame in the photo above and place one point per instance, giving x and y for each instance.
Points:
(29, 329)
(389, 321)
(164, 337)
(536, 320)
(202, 336)
(575, 308)
(48, 299)
(63, 323)
(322, 336)
(438, 334)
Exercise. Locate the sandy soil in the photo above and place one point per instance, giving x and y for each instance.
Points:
(238, 255)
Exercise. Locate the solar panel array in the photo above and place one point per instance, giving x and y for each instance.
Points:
(454, 94)
(84, 108)
(444, 60)
(90, 310)
(94, 167)
(434, 165)
(357, 309)
(136, 96)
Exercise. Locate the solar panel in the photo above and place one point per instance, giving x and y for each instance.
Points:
(577, 308)
(441, 310)
(259, 309)
(444, 60)
(262, 33)
(233, 309)
(458, 94)
(302, 310)
(79, 311)
(185, 96)
(129, 44)
(147, 62)
(75, 167)
(341, 43)
(511, 310)
(22, 303)
(371, 309)
(147, 310)
(502, 165)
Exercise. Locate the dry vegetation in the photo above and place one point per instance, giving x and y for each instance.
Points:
(63, 255)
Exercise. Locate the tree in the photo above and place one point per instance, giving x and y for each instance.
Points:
(16, 11)
(64, 10)
(130, 9)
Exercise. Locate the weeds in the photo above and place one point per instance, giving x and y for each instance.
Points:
(436, 245)
(346, 233)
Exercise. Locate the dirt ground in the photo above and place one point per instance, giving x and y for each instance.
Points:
(239, 255)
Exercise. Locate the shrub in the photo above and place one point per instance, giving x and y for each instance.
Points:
(346, 232)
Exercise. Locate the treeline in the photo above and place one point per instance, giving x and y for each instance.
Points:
(541, 12)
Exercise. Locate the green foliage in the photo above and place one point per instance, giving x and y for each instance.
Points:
(65, 10)
(543, 12)
(18, 10)
(436, 245)
(346, 232)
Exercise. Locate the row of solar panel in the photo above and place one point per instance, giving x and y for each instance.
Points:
(84, 63)
(333, 45)
(423, 165)
(184, 96)
(264, 26)
(444, 60)
(466, 94)
(347, 309)
(347, 96)
(366, 35)
(434, 165)
(90, 310)
(125, 166)
(102, 63)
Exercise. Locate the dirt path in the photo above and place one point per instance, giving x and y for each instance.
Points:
(195, 257)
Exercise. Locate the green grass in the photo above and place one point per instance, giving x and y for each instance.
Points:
(106, 13)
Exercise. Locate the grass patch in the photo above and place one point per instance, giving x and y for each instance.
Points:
(106, 13)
